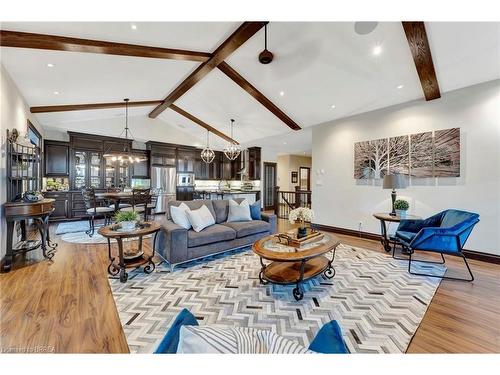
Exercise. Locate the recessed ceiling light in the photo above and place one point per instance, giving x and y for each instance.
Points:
(377, 50)
(50, 65)
(400, 86)
(133, 26)
(333, 106)
(56, 92)
(282, 93)
(284, 143)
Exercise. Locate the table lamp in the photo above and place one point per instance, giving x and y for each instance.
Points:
(394, 181)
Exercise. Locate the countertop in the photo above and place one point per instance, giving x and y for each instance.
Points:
(215, 191)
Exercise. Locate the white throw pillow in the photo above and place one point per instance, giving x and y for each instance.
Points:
(239, 212)
(200, 218)
(179, 215)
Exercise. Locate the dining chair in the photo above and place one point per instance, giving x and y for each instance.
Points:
(111, 203)
(140, 199)
(151, 205)
(93, 210)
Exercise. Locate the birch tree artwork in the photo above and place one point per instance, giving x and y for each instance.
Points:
(421, 155)
(399, 155)
(371, 159)
(447, 153)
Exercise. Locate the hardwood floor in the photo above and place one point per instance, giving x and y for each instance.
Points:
(67, 307)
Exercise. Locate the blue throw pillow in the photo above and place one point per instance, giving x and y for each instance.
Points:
(171, 340)
(255, 211)
(329, 340)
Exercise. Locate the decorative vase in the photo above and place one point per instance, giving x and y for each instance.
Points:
(302, 232)
(401, 213)
(128, 225)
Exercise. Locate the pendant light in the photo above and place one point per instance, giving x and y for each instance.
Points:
(126, 156)
(232, 149)
(265, 57)
(207, 154)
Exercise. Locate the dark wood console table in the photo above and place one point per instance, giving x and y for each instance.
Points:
(22, 211)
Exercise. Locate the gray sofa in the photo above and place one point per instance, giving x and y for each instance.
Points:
(178, 245)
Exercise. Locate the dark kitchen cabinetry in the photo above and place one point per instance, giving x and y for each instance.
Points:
(185, 160)
(184, 193)
(56, 156)
(87, 169)
(61, 205)
(141, 168)
(254, 159)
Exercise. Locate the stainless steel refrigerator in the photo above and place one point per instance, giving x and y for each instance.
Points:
(163, 182)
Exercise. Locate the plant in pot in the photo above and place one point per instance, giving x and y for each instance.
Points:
(127, 219)
(401, 206)
(302, 214)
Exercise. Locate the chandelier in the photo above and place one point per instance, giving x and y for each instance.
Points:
(232, 149)
(126, 156)
(207, 154)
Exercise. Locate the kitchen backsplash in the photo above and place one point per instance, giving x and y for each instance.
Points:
(223, 184)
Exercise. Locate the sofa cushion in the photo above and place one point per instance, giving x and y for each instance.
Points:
(193, 205)
(211, 234)
(247, 228)
(255, 210)
(170, 341)
(200, 218)
(221, 208)
(239, 211)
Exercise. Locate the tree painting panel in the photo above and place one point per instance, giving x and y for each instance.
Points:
(399, 155)
(421, 155)
(362, 160)
(371, 159)
(447, 153)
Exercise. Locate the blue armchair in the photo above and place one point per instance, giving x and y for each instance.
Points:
(443, 233)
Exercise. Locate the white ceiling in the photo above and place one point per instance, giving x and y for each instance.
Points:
(316, 65)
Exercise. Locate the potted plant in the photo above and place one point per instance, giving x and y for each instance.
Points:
(401, 206)
(303, 214)
(127, 219)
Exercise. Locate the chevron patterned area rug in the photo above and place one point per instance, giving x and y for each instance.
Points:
(378, 304)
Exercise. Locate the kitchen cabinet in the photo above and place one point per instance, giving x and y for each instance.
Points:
(254, 159)
(185, 160)
(184, 193)
(87, 169)
(61, 205)
(56, 156)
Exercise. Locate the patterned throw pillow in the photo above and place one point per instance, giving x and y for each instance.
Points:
(179, 215)
(238, 340)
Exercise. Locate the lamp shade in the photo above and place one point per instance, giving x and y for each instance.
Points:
(394, 181)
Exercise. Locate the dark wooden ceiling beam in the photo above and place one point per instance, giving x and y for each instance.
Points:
(196, 120)
(62, 43)
(240, 36)
(421, 52)
(84, 107)
(261, 98)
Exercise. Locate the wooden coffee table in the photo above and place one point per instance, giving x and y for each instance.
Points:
(290, 265)
(113, 232)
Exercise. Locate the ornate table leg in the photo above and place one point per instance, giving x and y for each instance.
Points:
(42, 228)
(261, 273)
(384, 240)
(112, 268)
(7, 265)
(47, 231)
(298, 294)
(151, 265)
(123, 270)
(330, 270)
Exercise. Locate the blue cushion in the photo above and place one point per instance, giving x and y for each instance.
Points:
(255, 211)
(171, 340)
(329, 340)
(406, 236)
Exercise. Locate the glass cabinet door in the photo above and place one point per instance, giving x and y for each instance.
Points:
(123, 175)
(80, 169)
(95, 169)
(110, 173)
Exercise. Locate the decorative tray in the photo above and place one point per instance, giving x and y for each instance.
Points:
(291, 239)
(118, 228)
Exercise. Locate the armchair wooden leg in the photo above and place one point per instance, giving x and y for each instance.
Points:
(441, 277)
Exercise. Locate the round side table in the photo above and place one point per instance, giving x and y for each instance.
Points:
(384, 218)
(114, 232)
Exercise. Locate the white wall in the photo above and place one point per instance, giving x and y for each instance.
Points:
(339, 200)
(14, 113)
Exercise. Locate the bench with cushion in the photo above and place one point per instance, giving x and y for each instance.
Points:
(178, 245)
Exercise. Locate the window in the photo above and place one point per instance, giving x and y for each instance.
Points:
(34, 136)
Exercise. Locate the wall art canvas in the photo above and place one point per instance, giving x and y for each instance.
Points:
(421, 155)
(447, 153)
(371, 159)
(399, 155)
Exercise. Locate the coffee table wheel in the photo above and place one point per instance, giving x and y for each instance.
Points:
(150, 267)
(123, 275)
(297, 293)
(329, 272)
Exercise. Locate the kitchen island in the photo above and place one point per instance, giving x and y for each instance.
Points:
(251, 195)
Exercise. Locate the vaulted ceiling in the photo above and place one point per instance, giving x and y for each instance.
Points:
(316, 66)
